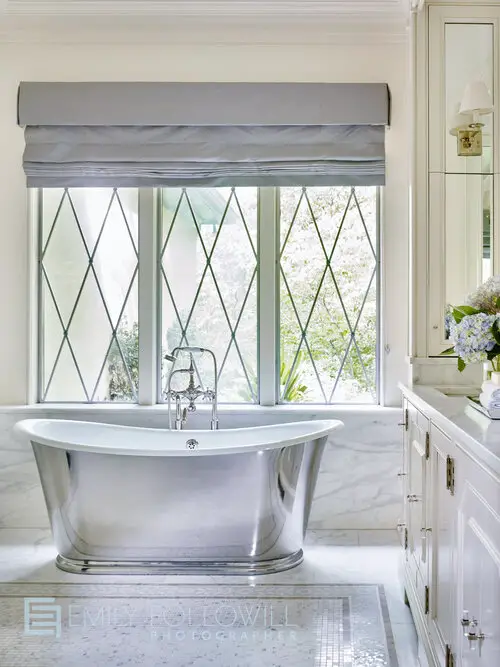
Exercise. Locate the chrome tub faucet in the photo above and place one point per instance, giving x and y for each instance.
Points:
(193, 391)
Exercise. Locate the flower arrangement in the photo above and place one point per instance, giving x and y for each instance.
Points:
(474, 328)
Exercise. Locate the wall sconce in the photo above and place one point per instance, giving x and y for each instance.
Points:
(476, 102)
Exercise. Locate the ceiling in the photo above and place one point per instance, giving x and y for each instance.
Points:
(18, 16)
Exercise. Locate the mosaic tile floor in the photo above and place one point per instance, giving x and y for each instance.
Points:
(335, 563)
(261, 625)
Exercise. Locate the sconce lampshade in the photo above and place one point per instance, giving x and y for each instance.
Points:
(476, 99)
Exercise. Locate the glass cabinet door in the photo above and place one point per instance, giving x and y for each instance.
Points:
(468, 211)
(468, 60)
(462, 90)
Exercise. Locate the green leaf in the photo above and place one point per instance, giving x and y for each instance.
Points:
(495, 331)
(450, 350)
(494, 353)
(467, 310)
(461, 364)
(458, 316)
(497, 302)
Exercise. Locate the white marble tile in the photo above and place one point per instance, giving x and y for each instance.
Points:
(269, 626)
(22, 504)
(25, 508)
(357, 485)
(7, 439)
(334, 538)
(31, 556)
(405, 638)
(375, 538)
(27, 555)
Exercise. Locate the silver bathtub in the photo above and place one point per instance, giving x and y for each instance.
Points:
(137, 500)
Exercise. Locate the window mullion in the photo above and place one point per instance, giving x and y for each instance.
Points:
(35, 310)
(268, 327)
(148, 264)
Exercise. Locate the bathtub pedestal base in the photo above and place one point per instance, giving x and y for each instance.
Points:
(244, 568)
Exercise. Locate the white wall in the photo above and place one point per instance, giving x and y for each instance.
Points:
(65, 62)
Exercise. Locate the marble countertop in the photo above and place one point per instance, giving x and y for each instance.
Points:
(475, 433)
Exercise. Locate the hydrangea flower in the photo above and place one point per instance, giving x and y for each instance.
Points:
(449, 322)
(473, 338)
(474, 328)
(486, 296)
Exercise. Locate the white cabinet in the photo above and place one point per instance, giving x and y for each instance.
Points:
(443, 501)
(455, 211)
(463, 45)
(478, 566)
(452, 550)
(462, 218)
(416, 500)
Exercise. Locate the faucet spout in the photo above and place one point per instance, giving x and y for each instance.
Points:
(214, 423)
(180, 414)
(192, 392)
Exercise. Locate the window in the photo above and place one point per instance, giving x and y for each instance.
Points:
(280, 283)
(209, 281)
(88, 296)
(328, 295)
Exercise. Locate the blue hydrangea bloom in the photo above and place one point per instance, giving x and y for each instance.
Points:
(472, 337)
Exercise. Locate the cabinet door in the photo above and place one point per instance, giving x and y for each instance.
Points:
(478, 565)
(403, 474)
(416, 497)
(463, 220)
(443, 512)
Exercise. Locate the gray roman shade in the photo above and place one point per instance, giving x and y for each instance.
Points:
(203, 134)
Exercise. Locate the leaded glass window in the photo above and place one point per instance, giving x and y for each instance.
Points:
(88, 295)
(280, 283)
(328, 295)
(209, 281)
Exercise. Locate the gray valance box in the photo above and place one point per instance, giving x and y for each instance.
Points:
(203, 134)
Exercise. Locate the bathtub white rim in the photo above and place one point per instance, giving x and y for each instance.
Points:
(27, 429)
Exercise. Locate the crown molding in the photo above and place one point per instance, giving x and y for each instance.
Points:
(347, 34)
(205, 21)
(199, 8)
(312, 30)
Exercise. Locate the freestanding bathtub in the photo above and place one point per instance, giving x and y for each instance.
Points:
(141, 500)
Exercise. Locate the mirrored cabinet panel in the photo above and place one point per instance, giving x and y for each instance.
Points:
(468, 234)
(468, 82)
(463, 171)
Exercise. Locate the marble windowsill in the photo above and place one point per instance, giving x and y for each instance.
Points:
(229, 409)
(475, 433)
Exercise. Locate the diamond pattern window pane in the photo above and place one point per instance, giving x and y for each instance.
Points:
(328, 295)
(88, 290)
(209, 282)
